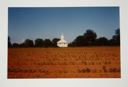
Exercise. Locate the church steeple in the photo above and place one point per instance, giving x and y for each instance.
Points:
(62, 37)
(62, 42)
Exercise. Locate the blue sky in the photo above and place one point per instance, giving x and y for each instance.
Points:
(51, 22)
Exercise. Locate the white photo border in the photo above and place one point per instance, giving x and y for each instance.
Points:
(86, 82)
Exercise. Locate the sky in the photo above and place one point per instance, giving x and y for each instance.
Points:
(51, 22)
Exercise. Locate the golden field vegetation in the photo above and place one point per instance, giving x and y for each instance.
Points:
(86, 62)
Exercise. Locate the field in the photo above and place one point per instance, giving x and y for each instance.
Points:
(87, 62)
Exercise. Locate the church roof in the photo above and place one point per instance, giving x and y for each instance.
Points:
(62, 41)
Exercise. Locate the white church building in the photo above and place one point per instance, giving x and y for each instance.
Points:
(62, 42)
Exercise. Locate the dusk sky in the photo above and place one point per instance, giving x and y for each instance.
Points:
(51, 22)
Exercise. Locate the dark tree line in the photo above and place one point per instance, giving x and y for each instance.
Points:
(37, 43)
(89, 38)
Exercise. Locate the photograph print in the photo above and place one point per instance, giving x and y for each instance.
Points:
(63, 42)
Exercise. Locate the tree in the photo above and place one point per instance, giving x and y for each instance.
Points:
(117, 31)
(21, 45)
(102, 41)
(90, 36)
(54, 42)
(9, 42)
(28, 43)
(15, 45)
(47, 43)
(39, 42)
(116, 38)
(79, 41)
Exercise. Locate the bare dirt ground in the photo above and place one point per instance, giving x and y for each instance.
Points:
(87, 62)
